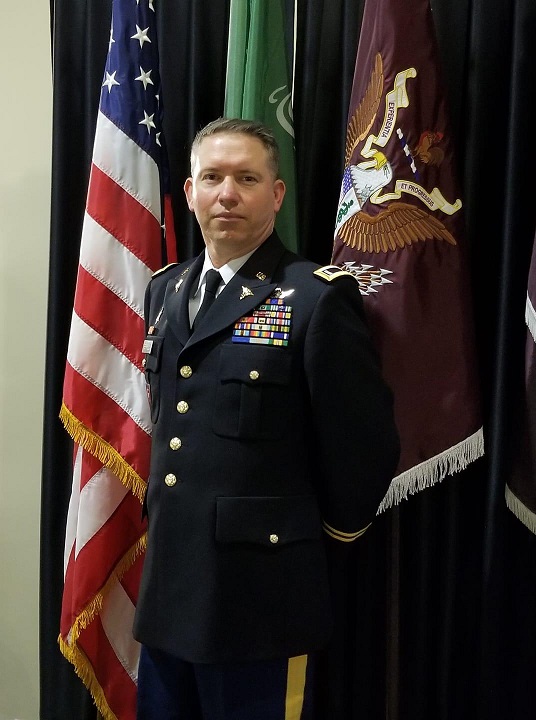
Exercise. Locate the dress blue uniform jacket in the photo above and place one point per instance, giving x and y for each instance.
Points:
(261, 453)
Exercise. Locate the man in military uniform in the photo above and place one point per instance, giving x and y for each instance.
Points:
(273, 434)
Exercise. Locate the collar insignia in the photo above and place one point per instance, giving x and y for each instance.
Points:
(246, 292)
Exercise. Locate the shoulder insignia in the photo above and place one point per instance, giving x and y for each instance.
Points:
(331, 272)
(166, 267)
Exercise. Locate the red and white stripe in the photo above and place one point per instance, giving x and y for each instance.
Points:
(106, 411)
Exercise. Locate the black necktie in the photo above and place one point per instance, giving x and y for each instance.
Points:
(212, 283)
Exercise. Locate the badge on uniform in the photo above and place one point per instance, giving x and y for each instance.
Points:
(246, 292)
(269, 323)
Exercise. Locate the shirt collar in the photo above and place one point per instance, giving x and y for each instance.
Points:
(227, 271)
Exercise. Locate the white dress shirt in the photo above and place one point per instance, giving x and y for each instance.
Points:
(226, 271)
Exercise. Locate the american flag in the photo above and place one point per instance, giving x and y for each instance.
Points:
(104, 406)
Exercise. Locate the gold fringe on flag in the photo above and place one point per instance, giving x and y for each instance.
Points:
(103, 451)
(95, 606)
(84, 670)
(69, 647)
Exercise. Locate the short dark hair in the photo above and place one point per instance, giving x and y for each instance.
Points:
(242, 127)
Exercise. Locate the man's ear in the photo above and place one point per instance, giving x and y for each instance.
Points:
(188, 190)
(279, 193)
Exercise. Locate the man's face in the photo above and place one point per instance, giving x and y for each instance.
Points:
(233, 193)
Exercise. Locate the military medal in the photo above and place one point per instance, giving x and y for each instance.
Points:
(269, 324)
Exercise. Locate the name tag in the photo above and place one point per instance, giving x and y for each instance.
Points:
(147, 346)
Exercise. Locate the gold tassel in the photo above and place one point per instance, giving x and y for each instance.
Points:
(95, 606)
(70, 649)
(85, 672)
(103, 451)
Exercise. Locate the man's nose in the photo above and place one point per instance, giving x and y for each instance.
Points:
(228, 192)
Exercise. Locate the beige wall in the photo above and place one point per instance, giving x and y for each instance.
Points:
(25, 126)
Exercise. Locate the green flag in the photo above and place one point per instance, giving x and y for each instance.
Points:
(258, 87)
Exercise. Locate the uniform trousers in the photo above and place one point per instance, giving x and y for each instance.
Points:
(172, 689)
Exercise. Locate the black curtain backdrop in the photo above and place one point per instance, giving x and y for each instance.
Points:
(436, 617)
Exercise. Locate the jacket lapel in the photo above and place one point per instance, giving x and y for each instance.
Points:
(178, 292)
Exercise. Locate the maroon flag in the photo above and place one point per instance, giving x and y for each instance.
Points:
(400, 231)
(521, 489)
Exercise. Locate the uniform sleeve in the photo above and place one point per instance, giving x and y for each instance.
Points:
(352, 408)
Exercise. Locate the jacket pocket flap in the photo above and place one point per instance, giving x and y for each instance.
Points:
(255, 365)
(268, 521)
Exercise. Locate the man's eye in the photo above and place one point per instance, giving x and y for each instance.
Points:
(209, 176)
(249, 179)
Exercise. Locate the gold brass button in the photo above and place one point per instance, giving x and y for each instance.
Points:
(254, 375)
(274, 539)
(144, 362)
(170, 479)
(182, 407)
(186, 371)
(175, 443)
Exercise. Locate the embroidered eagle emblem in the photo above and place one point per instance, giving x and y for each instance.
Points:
(400, 224)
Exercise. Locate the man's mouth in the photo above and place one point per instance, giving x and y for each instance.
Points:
(228, 216)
